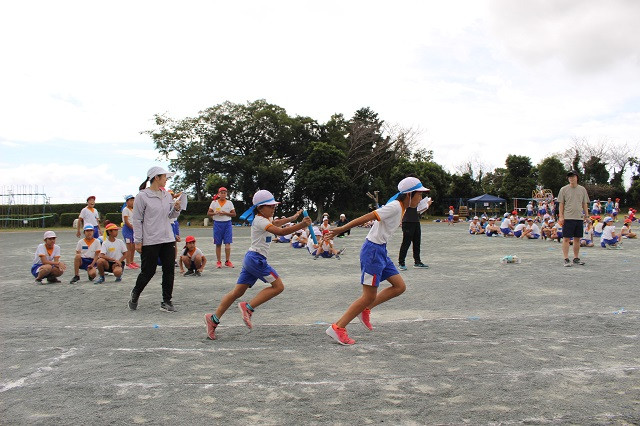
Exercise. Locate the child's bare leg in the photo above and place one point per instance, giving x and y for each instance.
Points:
(267, 293)
(117, 270)
(397, 288)
(227, 252)
(368, 297)
(230, 297)
(101, 266)
(44, 271)
(77, 260)
(198, 262)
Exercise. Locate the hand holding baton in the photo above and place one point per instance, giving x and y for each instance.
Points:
(313, 234)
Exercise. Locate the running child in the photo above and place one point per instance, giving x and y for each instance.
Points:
(254, 265)
(375, 264)
(89, 216)
(127, 231)
(221, 211)
(192, 257)
(112, 255)
(46, 263)
(87, 255)
(450, 216)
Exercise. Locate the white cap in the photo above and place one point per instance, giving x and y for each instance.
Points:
(408, 183)
(506, 215)
(49, 234)
(156, 170)
(325, 214)
(342, 215)
(608, 219)
(264, 198)
(325, 218)
(475, 218)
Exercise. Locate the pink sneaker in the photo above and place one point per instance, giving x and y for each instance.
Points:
(246, 313)
(135, 265)
(339, 335)
(364, 318)
(219, 265)
(211, 327)
(228, 264)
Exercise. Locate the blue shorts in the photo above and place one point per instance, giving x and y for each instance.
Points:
(326, 254)
(255, 267)
(96, 232)
(505, 231)
(297, 245)
(560, 234)
(604, 243)
(375, 264)
(529, 212)
(450, 218)
(175, 227)
(283, 239)
(86, 261)
(535, 236)
(597, 234)
(222, 232)
(517, 233)
(34, 269)
(595, 212)
(542, 212)
(127, 234)
(585, 241)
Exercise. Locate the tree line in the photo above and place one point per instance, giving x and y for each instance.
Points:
(332, 166)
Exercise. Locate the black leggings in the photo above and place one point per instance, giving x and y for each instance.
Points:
(410, 234)
(166, 252)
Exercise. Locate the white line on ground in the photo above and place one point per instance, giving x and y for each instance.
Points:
(40, 371)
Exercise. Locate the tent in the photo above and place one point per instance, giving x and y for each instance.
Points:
(485, 199)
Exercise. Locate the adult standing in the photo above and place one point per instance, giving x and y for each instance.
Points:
(412, 234)
(153, 212)
(573, 207)
(221, 211)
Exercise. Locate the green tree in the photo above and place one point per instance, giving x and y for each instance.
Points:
(595, 171)
(519, 180)
(552, 174)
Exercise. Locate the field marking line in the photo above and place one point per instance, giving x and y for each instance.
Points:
(40, 371)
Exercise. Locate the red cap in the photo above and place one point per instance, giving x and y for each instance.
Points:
(451, 207)
(190, 239)
(111, 226)
(222, 188)
(514, 212)
(90, 197)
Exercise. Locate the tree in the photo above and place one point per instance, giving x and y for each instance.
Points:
(519, 180)
(552, 174)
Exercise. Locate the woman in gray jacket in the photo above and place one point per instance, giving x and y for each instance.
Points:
(153, 212)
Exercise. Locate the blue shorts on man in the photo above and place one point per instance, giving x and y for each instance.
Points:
(254, 268)
(375, 264)
(222, 232)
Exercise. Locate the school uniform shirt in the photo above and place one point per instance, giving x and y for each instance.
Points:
(48, 255)
(88, 249)
(113, 249)
(221, 206)
(607, 232)
(153, 212)
(473, 226)
(127, 212)
(519, 227)
(506, 223)
(388, 220)
(90, 216)
(193, 253)
(260, 236)
(535, 230)
(598, 227)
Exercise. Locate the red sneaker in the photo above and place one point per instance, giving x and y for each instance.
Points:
(364, 318)
(339, 335)
(211, 327)
(246, 313)
(135, 265)
(228, 264)
(219, 265)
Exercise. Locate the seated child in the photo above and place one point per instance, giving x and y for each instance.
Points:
(492, 228)
(192, 257)
(475, 227)
(517, 231)
(112, 255)
(46, 263)
(626, 232)
(531, 231)
(506, 227)
(87, 255)
(609, 238)
(597, 227)
(299, 239)
(587, 238)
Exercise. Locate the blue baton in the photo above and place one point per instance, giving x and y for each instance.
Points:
(313, 234)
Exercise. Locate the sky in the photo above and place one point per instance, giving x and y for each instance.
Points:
(80, 81)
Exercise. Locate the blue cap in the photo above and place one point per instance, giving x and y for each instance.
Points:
(127, 197)
(87, 227)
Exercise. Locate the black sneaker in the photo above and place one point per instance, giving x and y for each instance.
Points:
(133, 302)
(53, 280)
(75, 279)
(577, 261)
(167, 306)
(567, 263)
(197, 273)
(421, 265)
(38, 281)
(189, 272)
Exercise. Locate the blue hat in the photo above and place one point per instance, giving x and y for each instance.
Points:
(87, 227)
(128, 197)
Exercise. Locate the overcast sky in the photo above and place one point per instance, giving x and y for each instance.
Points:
(80, 80)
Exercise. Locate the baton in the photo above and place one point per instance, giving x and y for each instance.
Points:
(313, 234)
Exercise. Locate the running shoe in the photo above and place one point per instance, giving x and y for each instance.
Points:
(421, 265)
(577, 261)
(38, 281)
(364, 318)
(189, 272)
(75, 279)
(135, 265)
(402, 267)
(197, 274)
(219, 264)
(133, 302)
(100, 280)
(246, 314)
(211, 326)
(567, 263)
(130, 266)
(53, 280)
(339, 335)
(228, 264)
(118, 279)
(342, 250)
(167, 306)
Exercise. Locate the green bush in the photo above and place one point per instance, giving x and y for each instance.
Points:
(66, 219)
(114, 218)
(16, 221)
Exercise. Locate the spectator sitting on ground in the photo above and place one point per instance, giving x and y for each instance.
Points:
(46, 263)
(87, 255)
(518, 230)
(587, 238)
(531, 231)
(474, 226)
(299, 239)
(625, 231)
(341, 222)
(545, 228)
(492, 228)
(192, 257)
(609, 238)
(556, 231)
(324, 226)
(285, 238)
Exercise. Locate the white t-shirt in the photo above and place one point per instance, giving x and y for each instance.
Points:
(534, 229)
(42, 250)
(389, 218)
(113, 249)
(529, 207)
(325, 226)
(221, 206)
(194, 253)
(474, 226)
(310, 246)
(520, 227)
(128, 213)
(90, 217)
(607, 232)
(598, 227)
(88, 249)
(260, 237)
(506, 223)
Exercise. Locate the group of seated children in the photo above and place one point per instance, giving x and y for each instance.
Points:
(510, 226)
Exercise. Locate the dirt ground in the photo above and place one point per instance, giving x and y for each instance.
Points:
(471, 340)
